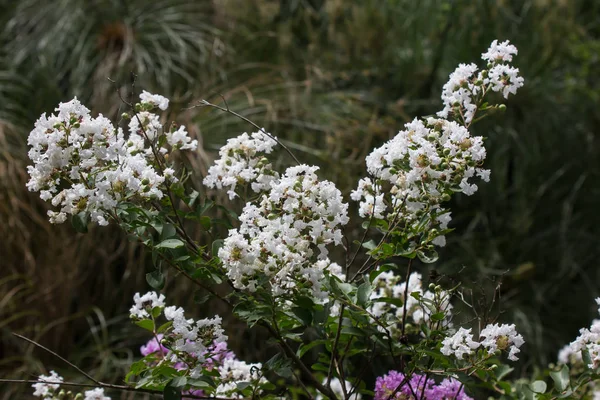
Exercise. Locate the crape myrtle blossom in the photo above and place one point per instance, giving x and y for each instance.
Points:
(420, 168)
(397, 386)
(389, 285)
(155, 99)
(49, 389)
(588, 340)
(284, 237)
(466, 87)
(83, 164)
(241, 162)
(95, 394)
(502, 337)
(144, 304)
(493, 337)
(49, 386)
(460, 344)
(194, 346)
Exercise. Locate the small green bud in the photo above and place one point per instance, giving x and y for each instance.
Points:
(145, 181)
(79, 396)
(502, 107)
(445, 197)
(431, 286)
(146, 189)
(125, 115)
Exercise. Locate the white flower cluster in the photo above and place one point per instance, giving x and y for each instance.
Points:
(277, 239)
(195, 346)
(143, 304)
(187, 339)
(241, 163)
(389, 285)
(233, 372)
(588, 339)
(465, 89)
(459, 344)
(49, 386)
(421, 167)
(84, 164)
(493, 337)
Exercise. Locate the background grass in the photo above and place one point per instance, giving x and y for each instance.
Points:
(333, 79)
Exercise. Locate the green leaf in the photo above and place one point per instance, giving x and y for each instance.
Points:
(370, 245)
(147, 324)
(306, 347)
(304, 315)
(428, 257)
(560, 378)
(351, 330)
(502, 371)
(205, 222)
(438, 316)
(155, 279)
(80, 222)
(179, 381)
(539, 386)
(168, 231)
(164, 327)
(170, 244)
(363, 293)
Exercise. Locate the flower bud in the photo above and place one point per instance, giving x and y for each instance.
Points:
(125, 115)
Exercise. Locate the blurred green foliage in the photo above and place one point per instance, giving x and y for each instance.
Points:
(333, 79)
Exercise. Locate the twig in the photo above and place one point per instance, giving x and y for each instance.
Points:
(291, 354)
(58, 356)
(111, 386)
(228, 110)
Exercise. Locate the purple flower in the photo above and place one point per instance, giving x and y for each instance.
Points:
(154, 346)
(395, 386)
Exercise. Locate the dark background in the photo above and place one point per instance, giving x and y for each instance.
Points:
(333, 79)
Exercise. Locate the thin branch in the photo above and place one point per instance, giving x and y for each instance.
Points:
(58, 356)
(334, 348)
(205, 103)
(291, 354)
(111, 386)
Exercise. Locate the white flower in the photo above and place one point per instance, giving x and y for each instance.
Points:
(155, 99)
(505, 79)
(502, 337)
(460, 91)
(232, 372)
(459, 344)
(180, 139)
(85, 165)
(142, 303)
(389, 285)
(297, 219)
(49, 385)
(416, 171)
(241, 163)
(499, 52)
(95, 394)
